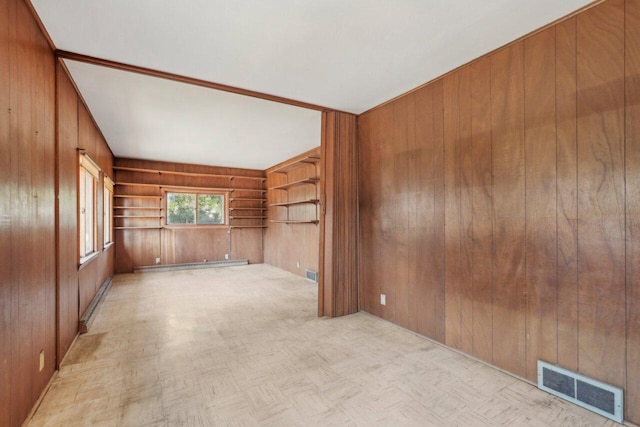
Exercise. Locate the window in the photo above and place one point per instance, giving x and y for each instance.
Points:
(195, 208)
(108, 211)
(89, 176)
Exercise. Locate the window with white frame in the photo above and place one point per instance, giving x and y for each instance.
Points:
(89, 176)
(108, 210)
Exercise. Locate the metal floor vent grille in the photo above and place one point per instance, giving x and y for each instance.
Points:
(591, 394)
(191, 265)
(311, 275)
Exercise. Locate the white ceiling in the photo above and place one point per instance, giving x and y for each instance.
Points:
(157, 119)
(347, 55)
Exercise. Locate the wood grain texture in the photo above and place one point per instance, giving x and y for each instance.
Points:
(567, 194)
(67, 136)
(453, 225)
(481, 204)
(553, 166)
(286, 245)
(508, 166)
(6, 287)
(632, 178)
(339, 215)
(541, 209)
(27, 212)
(601, 227)
(176, 245)
(399, 199)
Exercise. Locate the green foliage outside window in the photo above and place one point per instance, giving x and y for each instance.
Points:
(182, 208)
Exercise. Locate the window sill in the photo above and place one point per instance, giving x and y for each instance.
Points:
(87, 260)
(107, 246)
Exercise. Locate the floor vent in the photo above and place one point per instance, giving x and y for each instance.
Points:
(591, 394)
(311, 275)
(191, 265)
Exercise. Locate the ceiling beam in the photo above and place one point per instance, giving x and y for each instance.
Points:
(62, 54)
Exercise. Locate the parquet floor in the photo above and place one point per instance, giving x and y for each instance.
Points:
(242, 346)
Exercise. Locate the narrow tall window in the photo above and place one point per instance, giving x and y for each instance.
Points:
(89, 177)
(108, 210)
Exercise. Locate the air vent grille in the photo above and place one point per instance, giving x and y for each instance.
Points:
(591, 394)
(311, 275)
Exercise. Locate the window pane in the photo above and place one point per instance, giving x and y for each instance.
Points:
(181, 208)
(89, 213)
(210, 209)
(83, 212)
(107, 215)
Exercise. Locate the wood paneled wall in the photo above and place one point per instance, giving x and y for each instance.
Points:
(27, 212)
(339, 215)
(288, 245)
(178, 245)
(30, 168)
(499, 204)
(76, 130)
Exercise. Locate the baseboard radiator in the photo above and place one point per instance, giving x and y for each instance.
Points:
(87, 318)
(191, 265)
(601, 398)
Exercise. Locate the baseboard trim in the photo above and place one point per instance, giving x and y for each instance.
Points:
(88, 317)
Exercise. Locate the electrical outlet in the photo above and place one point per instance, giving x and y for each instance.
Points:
(158, 260)
(41, 360)
(226, 256)
(298, 264)
(383, 299)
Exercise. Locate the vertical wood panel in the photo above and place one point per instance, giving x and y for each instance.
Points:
(541, 209)
(386, 267)
(67, 113)
(567, 194)
(22, 214)
(413, 159)
(365, 210)
(400, 202)
(466, 212)
(439, 204)
(482, 221)
(5, 214)
(453, 226)
(632, 85)
(601, 285)
(507, 116)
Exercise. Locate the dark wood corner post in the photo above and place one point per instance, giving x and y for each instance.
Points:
(338, 284)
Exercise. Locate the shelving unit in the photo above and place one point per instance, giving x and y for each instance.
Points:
(286, 169)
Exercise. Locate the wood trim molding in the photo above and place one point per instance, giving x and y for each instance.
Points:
(62, 54)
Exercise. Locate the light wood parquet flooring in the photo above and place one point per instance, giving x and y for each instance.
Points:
(242, 346)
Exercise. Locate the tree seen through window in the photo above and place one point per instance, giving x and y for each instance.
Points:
(190, 208)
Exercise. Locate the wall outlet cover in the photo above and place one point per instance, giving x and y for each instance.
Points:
(383, 299)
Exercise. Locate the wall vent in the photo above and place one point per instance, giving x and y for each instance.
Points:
(311, 275)
(591, 394)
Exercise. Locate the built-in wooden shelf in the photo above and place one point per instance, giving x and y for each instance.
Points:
(246, 217)
(133, 196)
(210, 175)
(247, 226)
(157, 227)
(138, 207)
(296, 202)
(289, 185)
(181, 187)
(138, 216)
(288, 167)
(246, 199)
(286, 221)
(248, 209)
